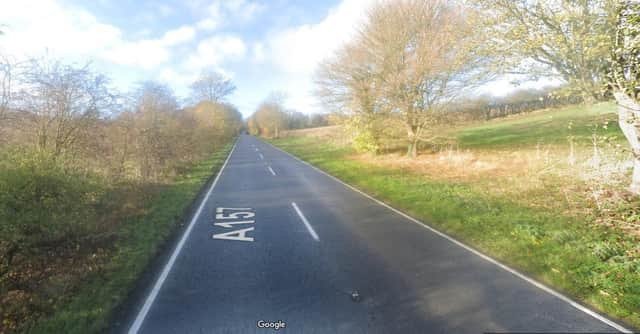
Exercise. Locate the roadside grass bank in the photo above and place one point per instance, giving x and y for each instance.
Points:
(523, 204)
(73, 284)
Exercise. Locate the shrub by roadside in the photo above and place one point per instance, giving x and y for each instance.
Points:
(73, 243)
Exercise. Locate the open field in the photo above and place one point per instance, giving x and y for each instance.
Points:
(543, 127)
(511, 188)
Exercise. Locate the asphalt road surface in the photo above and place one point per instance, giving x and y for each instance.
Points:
(277, 242)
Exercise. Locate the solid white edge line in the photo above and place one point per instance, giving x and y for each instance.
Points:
(271, 170)
(305, 221)
(167, 268)
(530, 280)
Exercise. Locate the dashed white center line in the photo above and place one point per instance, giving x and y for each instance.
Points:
(305, 221)
(257, 149)
(271, 170)
(261, 156)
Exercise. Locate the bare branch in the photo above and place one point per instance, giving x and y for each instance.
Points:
(211, 86)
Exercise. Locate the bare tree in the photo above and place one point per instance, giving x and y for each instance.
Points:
(154, 105)
(63, 100)
(411, 58)
(211, 86)
(347, 83)
(6, 85)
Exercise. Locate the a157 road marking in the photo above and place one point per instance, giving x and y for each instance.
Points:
(233, 217)
(305, 221)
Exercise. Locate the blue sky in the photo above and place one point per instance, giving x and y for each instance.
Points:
(263, 46)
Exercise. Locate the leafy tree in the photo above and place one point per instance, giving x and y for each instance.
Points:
(270, 117)
(625, 78)
(566, 38)
(625, 70)
(222, 119)
(252, 126)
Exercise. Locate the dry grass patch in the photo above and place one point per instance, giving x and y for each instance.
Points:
(541, 177)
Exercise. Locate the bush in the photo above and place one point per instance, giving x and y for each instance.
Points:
(47, 217)
(43, 202)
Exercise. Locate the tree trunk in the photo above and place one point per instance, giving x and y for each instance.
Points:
(629, 120)
(412, 147)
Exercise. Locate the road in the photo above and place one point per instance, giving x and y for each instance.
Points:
(280, 242)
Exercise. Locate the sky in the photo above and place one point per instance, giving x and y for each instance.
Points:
(263, 46)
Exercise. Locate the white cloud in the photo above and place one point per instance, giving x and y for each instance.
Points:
(215, 50)
(245, 10)
(177, 36)
(177, 79)
(208, 24)
(213, 18)
(38, 26)
(297, 51)
(219, 12)
(505, 85)
(148, 53)
(35, 26)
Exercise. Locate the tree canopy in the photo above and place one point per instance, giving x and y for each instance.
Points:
(211, 86)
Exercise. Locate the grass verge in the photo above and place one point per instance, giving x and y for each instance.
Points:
(595, 264)
(139, 237)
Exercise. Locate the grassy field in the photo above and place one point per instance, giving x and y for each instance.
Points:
(508, 190)
(543, 127)
(143, 230)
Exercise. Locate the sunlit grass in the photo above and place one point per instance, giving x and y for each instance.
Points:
(543, 127)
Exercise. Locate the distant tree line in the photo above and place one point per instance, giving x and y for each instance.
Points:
(271, 118)
(488, 107)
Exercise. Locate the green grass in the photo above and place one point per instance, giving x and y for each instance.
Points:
(545, 127)
(139, 239)
(596, 265)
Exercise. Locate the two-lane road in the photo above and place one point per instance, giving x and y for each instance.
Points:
(277, 240)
